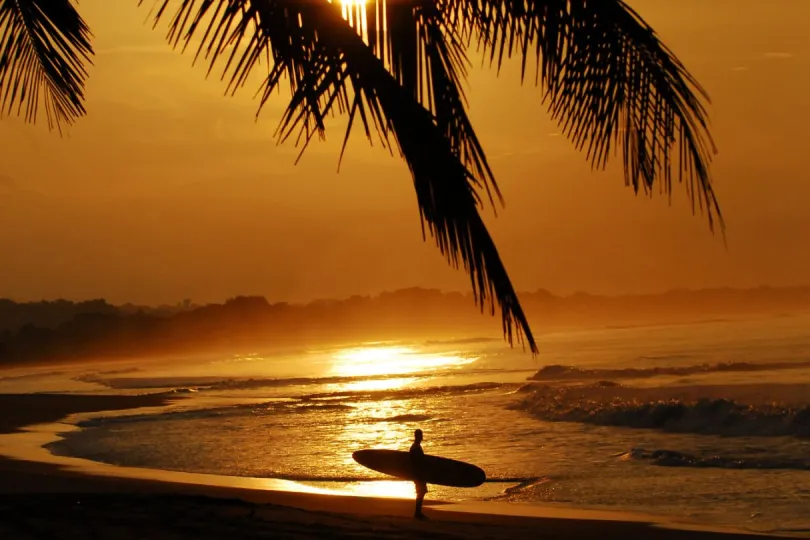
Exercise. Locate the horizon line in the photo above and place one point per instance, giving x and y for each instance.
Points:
(411, 288)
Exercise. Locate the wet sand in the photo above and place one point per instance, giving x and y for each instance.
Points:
(19, 410)
(44, 500)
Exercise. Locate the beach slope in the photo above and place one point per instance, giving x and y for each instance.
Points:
(40, 500)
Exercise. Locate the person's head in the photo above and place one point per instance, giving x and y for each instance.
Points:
(417, 435)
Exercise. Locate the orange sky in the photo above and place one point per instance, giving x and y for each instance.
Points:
(167, 190)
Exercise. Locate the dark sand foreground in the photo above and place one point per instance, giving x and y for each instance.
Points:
(44, 501)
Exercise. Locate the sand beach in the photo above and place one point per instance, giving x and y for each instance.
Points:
(46, 500)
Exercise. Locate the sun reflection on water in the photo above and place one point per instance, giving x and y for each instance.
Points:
(387, 418)
(371, 385)
(371, 361)
(372, 424)
(394, 489)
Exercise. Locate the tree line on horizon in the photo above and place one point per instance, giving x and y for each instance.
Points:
(63, 330)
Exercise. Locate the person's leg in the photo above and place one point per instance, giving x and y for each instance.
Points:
(421, 491)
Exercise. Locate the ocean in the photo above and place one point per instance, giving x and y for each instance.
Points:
(706, 422)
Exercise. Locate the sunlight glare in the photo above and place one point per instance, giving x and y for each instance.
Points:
(395, 489)
(381, 422)
(371, 385)
(354, 11)
(372, 361)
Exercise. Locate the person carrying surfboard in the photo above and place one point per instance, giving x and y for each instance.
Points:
(420, 468)
(417, 457)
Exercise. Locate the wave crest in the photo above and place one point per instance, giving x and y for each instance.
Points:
(401, 418)
(680, 410)
(557, 372)
(322, 402)
(406, 393)
(213, 383)
(673, 458)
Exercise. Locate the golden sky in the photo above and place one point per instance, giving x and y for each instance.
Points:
(168, 190)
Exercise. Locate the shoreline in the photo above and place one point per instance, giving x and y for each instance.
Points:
(30, 472)
(32, 409)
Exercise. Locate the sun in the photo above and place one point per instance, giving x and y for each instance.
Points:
(355, 12)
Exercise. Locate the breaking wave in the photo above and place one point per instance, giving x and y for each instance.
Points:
(677, 409)
(218, 383)
(321, 402)
(559, 372)
(402, 418)
(672, 458)
(407, 393)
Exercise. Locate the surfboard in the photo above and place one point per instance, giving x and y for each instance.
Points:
(434, 469)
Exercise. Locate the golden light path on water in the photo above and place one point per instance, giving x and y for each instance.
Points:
(366, 427)
(374, 361)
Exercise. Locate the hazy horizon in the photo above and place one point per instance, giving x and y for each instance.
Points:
(168, 190)
(377, 294)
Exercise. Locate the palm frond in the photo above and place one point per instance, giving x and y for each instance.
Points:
(44, 46)
(445, 187)
(421, 45)
(608, 81)
(446, 61)
(402, 85)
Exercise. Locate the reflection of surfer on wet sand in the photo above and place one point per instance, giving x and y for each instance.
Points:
(417, 459)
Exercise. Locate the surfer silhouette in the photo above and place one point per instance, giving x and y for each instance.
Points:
(417, 457)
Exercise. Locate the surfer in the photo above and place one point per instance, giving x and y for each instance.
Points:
(417, 456)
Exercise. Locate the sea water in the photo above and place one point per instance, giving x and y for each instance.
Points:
(705, 422)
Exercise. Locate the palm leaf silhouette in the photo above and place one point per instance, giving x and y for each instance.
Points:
(397, 68)
(44, 45)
